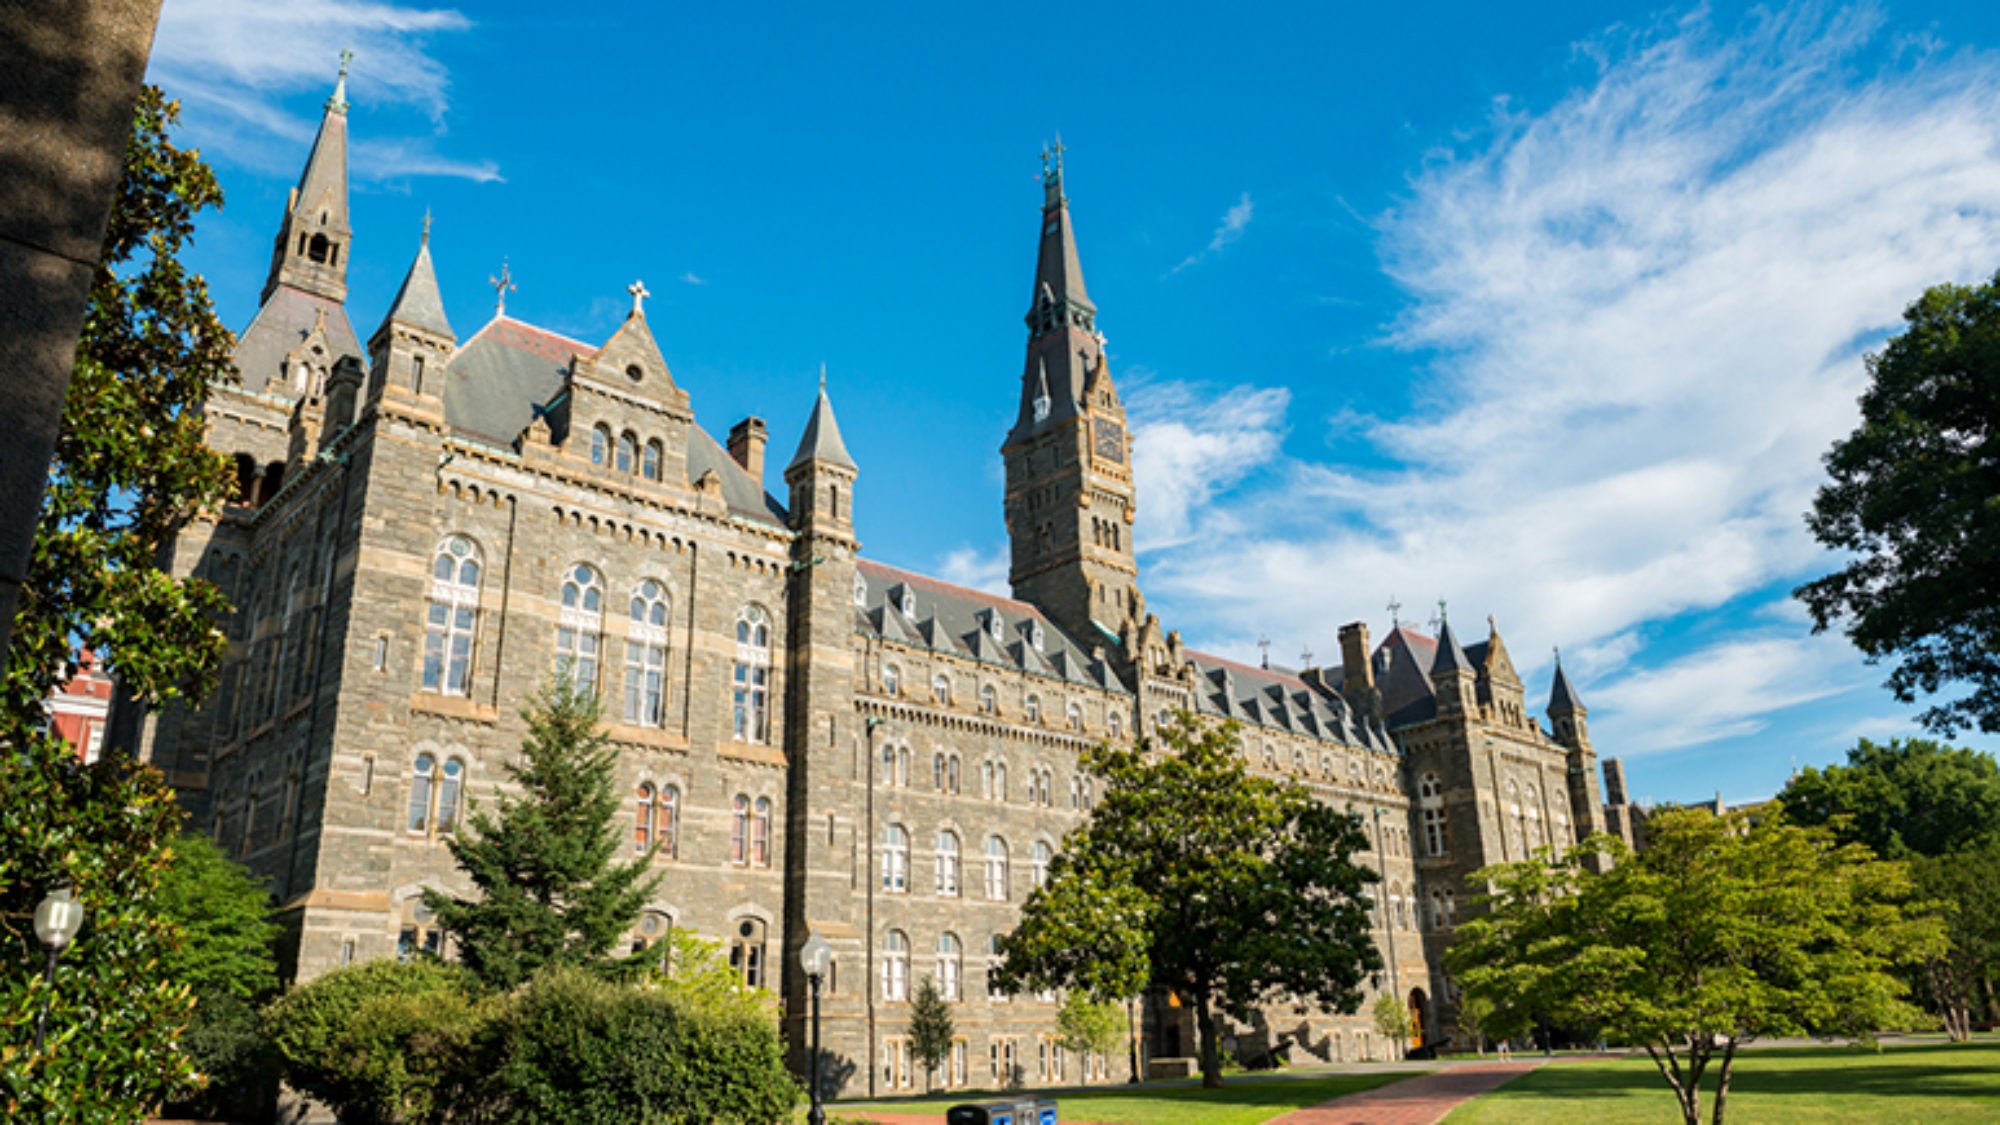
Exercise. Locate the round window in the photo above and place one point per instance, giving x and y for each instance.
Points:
(747, 929)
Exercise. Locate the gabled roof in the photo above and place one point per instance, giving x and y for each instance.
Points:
(1276, 699)
(282, 323)
(957, 619)
(1562, 696)
(1450, 657)
(821, 441)
(418, 303)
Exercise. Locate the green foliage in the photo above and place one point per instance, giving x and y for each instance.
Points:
(1964, 889)
(549, 891)
(130, 469)
(1914, 797)
(1914, 502)
(384, 1041)
(695, 975)
(225, 1040)
(930, 1029)
(222, 911)
(1090, 1027)
(1193, 875)
(1723, 931)
(577, 1050)
(1392, 1019)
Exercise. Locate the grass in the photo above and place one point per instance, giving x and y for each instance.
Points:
(1241, 1101)
(1932, 1083)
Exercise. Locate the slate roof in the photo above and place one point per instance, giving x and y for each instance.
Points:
(821, 441)
(962, 621)
(1277, 699)
(497, 380)
(282, 324)
(418, 302)
(1562, 697)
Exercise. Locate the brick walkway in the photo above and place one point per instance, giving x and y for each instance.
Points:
(1416, 1101)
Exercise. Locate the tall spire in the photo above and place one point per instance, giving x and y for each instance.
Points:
(1058, 270)
(821, 441)
(313, 240)
(1562, 696)
(1065, 353)
(418, 303)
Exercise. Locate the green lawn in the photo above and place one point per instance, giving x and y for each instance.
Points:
(1241, 1101)
(1931, 1083)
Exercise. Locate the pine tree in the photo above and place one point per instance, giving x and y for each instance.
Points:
(550, 893)
(930, 1030)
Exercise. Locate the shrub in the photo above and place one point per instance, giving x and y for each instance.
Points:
(573, 1049)
(386, 1041)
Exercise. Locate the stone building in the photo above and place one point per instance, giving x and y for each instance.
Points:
(429, 525)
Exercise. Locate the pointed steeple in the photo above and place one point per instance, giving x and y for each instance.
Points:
(1450, 657)
(1065, 353)
(821, 441)
(418, 303)
(1498, 665)
(1562, 697)
(1058, 270)
(313, 240)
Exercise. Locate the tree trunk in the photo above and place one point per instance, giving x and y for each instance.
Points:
(1722, 1078)
(1211, 1051)
(1687, 1089)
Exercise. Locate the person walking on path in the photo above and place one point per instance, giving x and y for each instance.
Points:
(1506, 1050)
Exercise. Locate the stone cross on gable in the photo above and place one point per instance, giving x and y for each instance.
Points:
(1395, 609)
(502, 285)
(639, 295)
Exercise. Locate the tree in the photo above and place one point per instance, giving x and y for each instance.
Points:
(225, 957)
(130, 470)
(1392, 1019)
(930, 1030)
(1726, 929)
(549, 891)
(1086, 1027)
(1912, 501)
(1194, 876)
(695, 974)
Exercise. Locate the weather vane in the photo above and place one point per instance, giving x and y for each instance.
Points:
(1395, 610)
(502, 285)
(427, 226)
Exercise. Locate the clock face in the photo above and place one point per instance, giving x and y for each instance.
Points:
(1110, 437)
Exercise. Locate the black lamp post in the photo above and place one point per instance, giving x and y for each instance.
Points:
(814, 957)
(1132, 1038)
(57, 921)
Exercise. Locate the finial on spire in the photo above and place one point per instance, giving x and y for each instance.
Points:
(1557, 649)
(338, 102)
(1305, 658)
(502, 285)
(1264, 646)
(1052, 172)
(639, 295)
(427, 226)
(822, 376)
(1441, 616)
(1492, 624)
(1395, 611)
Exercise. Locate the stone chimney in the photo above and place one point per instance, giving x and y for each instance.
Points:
(746, 445)
(1357, 672)
(1614, 782)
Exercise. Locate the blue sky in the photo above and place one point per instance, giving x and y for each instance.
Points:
(1548, 310)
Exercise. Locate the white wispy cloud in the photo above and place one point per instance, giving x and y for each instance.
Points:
(1234, 221)
(234, 62)
(1640, 312)
(980, 570)
(1723, 691)
(691, 278)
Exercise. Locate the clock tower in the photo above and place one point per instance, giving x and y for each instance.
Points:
(1070, 505)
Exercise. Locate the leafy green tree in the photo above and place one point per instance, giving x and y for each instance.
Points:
(1902, 798)
(1087, 1027)
(549, 891)
(1914, 503)
(1965, 887)
(1392, 1019)
(225, 955)
(1724, 930)
(1192, 875)
(129, 471)
(695, 974)
(930, 1030)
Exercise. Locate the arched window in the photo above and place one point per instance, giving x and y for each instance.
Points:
(1450, 910)
(860, 591)
(896, 966)
(1430, 798)
(999, 781)
(996, 869)
(1074, 713)
(1075, 791)
(1034, 709)
(753, 675)
(1038, 863)
(646, 656)
(746, 951)
(760, 833)
(895, 859)
(989, 700)
(448, 623)
(1117, 724)
(645, 818)
(649, 464)
(448, 796)
(628, 453)
(993, 991)
(579, 627)
(422, 778)
(600, 445)
(937, 771)
(669, 824)
(739, 831)
(941, 689)
(1562, 840)
(947, 863)
(951, 772)
(892, 680)
(1396, 904)
(950, 966)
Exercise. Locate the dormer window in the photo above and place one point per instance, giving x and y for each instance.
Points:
(1035, 634)
(860, 591)
(909, 603)
(1041, 408)
(994, 624)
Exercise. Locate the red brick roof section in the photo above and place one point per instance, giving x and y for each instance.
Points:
(539, 342)
(1251, 670)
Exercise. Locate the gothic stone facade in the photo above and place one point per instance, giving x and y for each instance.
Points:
(428, 526)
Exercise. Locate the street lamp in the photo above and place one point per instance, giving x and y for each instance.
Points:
(814, 957)
(57, 921)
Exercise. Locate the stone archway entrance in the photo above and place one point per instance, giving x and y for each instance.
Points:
(1416, 1018)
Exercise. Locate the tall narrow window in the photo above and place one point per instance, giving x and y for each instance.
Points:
(448, 794)
(644, 819)
(580, 626)
(600, 445)
(1038, 863)
(422, 777)
(1075, 713)
(1034, 709)
(746, 952)
(669, 834)
(449, 620)
(646, 656)
(739, 833)
(950, 966)
(947, 863)
(895, 859)
(941, 689)
(996, 994)
(996, 869)
(989, 700)
(896, 966)
(628, 452)
(999, 781)
(649, 463)
(760, 833)
(753, 676)
(1430, 799)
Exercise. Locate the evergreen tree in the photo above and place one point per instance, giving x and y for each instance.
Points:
(549, 891)
(130, 470)
(930, 1030)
